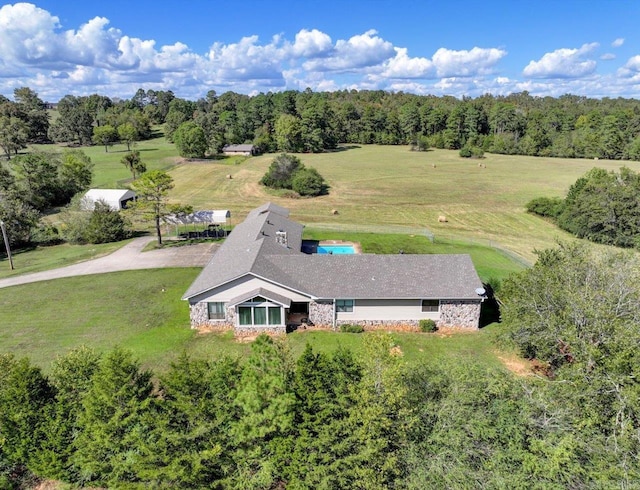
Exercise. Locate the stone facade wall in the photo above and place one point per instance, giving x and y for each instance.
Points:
(459, 314)
(453, 313)
(199, 316)
(321, 314)
(395, 325)
(249, 331)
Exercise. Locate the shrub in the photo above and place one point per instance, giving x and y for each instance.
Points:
(105, 225)
(308, 182)
(102, 225)
(550, 207)
(427, 325)
(281, 171)
(471, 152)
(350, 328)
(465, 152)
(45, 234)
(288, 172)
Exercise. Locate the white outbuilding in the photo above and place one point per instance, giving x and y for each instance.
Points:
(117, 199)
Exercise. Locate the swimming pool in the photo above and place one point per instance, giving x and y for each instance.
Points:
(336, 249)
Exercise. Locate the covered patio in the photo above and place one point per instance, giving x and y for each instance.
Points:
(211, 224)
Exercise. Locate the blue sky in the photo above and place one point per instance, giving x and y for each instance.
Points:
(457, 48)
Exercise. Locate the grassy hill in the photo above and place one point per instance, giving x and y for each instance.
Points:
(382, 188)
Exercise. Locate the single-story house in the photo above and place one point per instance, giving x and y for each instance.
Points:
(260, 280)
(117, 199)
(246, 150)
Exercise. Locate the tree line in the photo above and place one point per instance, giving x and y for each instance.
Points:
(600, 206)
(293, 121)
(338, 420)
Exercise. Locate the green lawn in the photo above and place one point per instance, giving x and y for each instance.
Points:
(142, 311)
(51, 257)
(157, 153)
(382, 187)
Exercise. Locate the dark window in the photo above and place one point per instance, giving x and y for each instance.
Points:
(216, 311)
(430, 305)
(344, 305)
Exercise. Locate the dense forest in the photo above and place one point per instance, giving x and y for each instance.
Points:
(337, 420)
(292, 121)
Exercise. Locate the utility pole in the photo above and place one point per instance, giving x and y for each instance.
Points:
(6, 243)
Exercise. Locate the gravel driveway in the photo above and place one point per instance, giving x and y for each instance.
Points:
(128, 257)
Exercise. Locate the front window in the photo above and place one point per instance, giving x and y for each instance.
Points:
(263, 313)
(430, 305)
(275, 316)
(344, 305)
(259, 315)
(245, 315)
(216, 311)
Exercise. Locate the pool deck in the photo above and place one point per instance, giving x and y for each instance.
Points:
(357, 248)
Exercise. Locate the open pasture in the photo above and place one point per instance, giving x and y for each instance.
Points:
(386, 187)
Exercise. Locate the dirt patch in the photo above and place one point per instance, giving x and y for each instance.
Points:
(396, 351)
(519, 367)
(446, 332)
(246, 339)
(48, 485)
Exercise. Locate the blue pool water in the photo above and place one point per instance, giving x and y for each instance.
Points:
(336, 249)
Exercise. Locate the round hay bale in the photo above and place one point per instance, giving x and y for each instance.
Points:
(442, 219)
(433, 165)
(334, 211)
(229, 176)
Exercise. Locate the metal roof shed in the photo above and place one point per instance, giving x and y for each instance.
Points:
(117, 199)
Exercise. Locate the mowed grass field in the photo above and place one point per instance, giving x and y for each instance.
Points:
(378, 189)
(108, 172)
(142, 311)
(385, 187)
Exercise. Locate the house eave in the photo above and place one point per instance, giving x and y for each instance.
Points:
(252, 274)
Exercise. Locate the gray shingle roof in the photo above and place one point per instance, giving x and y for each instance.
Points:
(254, 237)
(252, 248)
(244, 147)
(265, 293)
(370, 276)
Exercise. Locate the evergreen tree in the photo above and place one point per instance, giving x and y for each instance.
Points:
(192, 445)
(267, 406)
(115, 420)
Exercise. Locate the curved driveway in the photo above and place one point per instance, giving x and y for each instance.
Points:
(128, 257)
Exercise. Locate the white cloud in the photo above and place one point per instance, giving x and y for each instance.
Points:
(477, 61)
(563, 63)
(311, 44)
(608, 57)
(244, 60)
(25, 33)
(37, 51)
(401, 66)
(360, 51)
(631, 68)
(617, 43)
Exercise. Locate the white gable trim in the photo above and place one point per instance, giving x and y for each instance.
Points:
(241, 286)
(284, 286)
